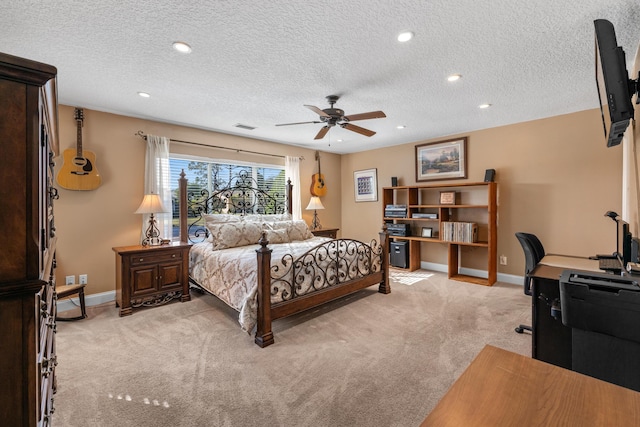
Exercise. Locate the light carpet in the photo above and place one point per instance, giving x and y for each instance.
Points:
(365, 360)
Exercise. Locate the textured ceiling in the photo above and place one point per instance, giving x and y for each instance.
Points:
(257, 62)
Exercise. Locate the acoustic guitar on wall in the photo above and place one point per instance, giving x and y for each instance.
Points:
(318, 187)
(79, 170)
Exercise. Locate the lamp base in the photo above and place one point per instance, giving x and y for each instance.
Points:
(315, 224)
(152, 234)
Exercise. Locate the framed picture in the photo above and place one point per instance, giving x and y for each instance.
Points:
(441, 160)
(427, 232)
(447, 197)
(366, 185)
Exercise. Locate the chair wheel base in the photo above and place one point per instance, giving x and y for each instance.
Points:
(520, 329)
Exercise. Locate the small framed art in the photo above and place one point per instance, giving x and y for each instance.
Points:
(366, 185)
(447, 197)
(427, 232)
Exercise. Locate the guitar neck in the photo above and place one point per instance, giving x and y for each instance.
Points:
(79, 119)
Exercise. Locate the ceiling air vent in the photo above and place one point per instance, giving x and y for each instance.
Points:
(245, 127)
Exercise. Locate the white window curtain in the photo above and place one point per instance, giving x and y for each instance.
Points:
(156, 181)
(292, 172)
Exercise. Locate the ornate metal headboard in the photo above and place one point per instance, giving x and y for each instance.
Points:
(240, 196)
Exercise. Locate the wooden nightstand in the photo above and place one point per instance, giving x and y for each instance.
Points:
(151, 275)
(326, 232)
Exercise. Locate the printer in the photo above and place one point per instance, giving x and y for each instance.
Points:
(603, 312)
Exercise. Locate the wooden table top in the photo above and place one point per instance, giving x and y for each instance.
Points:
(501, 388)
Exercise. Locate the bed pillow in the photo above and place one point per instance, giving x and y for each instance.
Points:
(267, 217)
(298, 230)
(235, 234)
(220, 218)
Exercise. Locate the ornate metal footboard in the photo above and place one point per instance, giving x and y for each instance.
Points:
(329, 271)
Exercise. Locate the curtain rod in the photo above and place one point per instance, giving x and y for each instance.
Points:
(143, 136)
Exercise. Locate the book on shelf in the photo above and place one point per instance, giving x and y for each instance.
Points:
(464, 232)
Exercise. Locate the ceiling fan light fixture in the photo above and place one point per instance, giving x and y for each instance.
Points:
(405, 36)
(182, 47)
(454, 77)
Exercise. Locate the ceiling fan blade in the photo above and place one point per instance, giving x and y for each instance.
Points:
(322, 133)
(358, 129)
(298, 123)
(317, 110)
(366, 116)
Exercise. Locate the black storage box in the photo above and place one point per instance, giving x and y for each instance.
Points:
(601, 302)
(399, 254)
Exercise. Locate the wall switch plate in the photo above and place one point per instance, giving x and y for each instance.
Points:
(83, 279)
(69, 280)
(503, 260)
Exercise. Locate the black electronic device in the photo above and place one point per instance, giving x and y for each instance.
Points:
(399, 229)
(622, 255)
(489, 175)
(395, 211)
(615, 89)
(399, 254)
(394, 181)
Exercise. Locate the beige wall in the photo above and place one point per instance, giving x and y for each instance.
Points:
(556, 179)
(90, 223)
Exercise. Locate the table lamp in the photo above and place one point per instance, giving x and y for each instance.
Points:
(315, 204)
(151, 204)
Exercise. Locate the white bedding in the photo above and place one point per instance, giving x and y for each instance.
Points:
(231, 274)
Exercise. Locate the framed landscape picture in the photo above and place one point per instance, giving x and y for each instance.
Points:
(441, 160)
(366, 185)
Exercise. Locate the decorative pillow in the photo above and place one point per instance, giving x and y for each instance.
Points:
(277, 236)
(277, 231)
(298, 230)
(234, 234)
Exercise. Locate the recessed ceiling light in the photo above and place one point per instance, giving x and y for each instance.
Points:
(144, 94)
(454, 77)
(400, 127)
(338, 140)
(405, 37)
(484, 105)
(182, 47)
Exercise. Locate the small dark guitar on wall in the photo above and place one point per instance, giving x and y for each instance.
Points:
(318, 187)
(79, 170)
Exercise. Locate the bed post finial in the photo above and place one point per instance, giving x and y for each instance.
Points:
(264, 334)
(182, 185)
(385, 286)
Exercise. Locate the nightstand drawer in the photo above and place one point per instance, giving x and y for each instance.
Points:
(152, 258)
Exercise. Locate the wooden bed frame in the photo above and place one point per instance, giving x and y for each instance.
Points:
(241, 196)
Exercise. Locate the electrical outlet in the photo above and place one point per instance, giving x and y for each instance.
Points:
(69, 280)
(83, 279)
(503, 260)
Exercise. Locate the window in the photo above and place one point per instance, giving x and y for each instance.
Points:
(210, 175)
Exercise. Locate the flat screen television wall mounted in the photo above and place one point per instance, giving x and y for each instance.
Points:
(615, 89)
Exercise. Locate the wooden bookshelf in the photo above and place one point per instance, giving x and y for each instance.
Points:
(475, 202)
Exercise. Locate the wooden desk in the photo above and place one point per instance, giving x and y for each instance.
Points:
(501, 388)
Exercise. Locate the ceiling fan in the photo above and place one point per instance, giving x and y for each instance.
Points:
(335, 116)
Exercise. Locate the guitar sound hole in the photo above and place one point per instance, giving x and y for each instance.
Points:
(79, 161)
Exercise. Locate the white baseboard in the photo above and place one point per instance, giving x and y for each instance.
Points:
(507, 278)
(89, 300)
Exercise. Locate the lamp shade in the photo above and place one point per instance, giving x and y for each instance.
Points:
(151, 204)
(315, 204)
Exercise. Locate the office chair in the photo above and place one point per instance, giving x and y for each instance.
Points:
(533, 253)
(68, 290)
